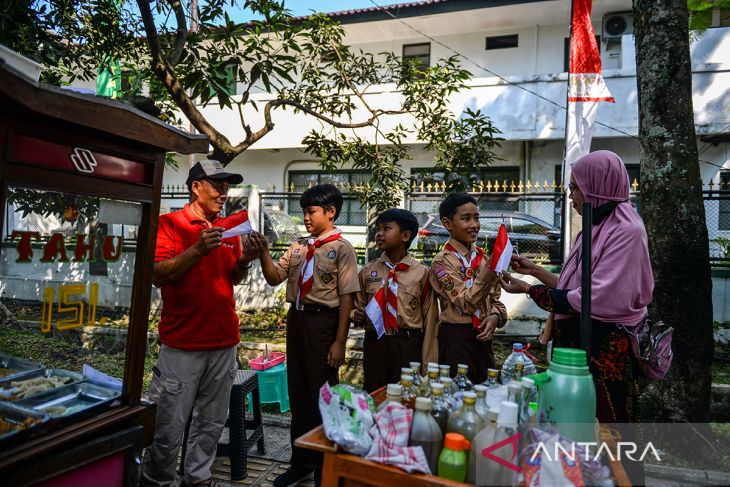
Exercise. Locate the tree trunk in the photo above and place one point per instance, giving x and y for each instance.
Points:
(673, 209)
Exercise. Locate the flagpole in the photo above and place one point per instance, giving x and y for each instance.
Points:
(565, 215)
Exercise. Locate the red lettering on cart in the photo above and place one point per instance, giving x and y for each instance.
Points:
(55, 248)
(25, 251)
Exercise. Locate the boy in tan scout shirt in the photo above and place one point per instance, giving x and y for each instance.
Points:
(468, 291)
(409, 324)
(321, 274)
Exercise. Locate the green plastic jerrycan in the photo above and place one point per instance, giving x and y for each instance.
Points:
(453, 460)
(567, 395)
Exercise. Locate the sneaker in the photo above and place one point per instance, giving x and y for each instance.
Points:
(293, 476)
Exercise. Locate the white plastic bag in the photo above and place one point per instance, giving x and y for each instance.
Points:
(347, 416)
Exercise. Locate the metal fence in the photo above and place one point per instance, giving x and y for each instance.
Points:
(530, 212)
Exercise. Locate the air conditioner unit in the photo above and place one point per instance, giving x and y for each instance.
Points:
(617, 24)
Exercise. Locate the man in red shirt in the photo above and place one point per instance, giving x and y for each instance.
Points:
(196, 269)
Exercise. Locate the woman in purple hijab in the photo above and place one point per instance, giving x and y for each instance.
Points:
(621, 283)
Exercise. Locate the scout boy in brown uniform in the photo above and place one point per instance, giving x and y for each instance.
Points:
(321, 274)
(468, 291)
(406, 305)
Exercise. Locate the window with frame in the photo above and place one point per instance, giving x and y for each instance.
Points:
(723, 217)
(352, 212)
(418, 54)
(502, 42)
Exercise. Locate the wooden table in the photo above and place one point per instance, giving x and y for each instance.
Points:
(342, 469)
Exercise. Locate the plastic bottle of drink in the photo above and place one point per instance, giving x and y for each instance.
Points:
(483, 439)
(449, 393)
(517, 355)
(439, 407)
(444, 370)
(481, 405)
(492, 376)
(449, 382)
(416, 373)
(425, 432)
(519, 370)
(466, 421)
(514, 394)
(529, 397)
(496, 473)
(392, 394)
(408, 391)
(431, 377)
(461, 380)
(453, 459)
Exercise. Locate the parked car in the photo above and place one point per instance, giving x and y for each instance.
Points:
(529, 235)
(279, 227)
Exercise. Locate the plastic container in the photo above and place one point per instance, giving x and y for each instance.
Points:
(439, 407)
(416, 373)
(517, 355)
(408, 391)
(392, 394)
(453, 459)
(492, 378)
(426, 433)
(485, 438)
(481, 405)
(431, 377)
(568, 396)
(497, 473)
(461, 380)
(260, 363)
(466, 421)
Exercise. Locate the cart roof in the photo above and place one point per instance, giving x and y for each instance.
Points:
(97, 113)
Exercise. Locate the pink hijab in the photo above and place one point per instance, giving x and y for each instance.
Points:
(622, 282)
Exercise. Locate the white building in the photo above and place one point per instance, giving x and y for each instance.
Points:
(523, 45)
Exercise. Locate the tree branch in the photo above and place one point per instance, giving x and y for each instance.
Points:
(222, 146)
(181, 35)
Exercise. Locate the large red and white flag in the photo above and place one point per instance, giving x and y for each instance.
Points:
(502, 252)
(586, 86)
(235, 224)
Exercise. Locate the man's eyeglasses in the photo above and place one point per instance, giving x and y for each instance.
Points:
(221, 188)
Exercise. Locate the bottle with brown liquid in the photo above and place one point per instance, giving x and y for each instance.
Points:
(426, 433)
(408, 391)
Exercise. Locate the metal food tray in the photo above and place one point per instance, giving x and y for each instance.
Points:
(21, 366)
(75, 398)
(75, 378)
(15, 414)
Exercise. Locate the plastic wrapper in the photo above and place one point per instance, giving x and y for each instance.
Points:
(347, 416)
(541, 469)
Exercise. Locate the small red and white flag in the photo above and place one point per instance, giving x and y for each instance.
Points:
(383, 307)
(235, 224)
(502, 252)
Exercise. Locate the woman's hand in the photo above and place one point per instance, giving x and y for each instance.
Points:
(512, 284)
(523, 265)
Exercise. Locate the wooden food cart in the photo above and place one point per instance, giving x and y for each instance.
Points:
(80, 182)
(342, 469)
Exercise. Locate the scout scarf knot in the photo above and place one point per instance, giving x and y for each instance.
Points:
(383, 307)
(306, 273)
(470, 272)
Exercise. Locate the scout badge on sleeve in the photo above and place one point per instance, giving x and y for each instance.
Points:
(470, 266)
(443, 276)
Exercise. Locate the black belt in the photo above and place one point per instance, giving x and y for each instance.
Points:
(311, 308)
(399, 332)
